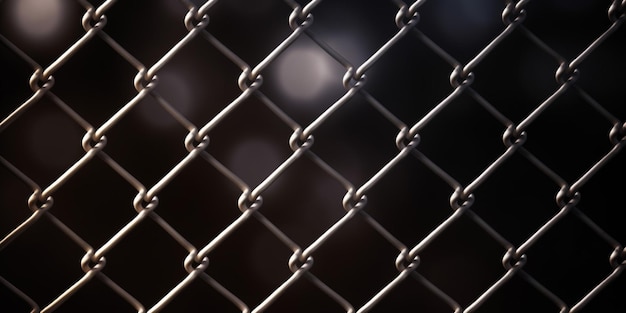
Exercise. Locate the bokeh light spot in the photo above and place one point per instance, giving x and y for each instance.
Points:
(38, 19)
(304, 73)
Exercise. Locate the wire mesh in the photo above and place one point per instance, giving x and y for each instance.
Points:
(322, 156)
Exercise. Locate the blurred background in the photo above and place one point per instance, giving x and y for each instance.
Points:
(357, 141)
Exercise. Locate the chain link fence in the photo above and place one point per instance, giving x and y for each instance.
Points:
(322, 156)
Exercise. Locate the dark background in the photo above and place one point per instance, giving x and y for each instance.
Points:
(409, 80)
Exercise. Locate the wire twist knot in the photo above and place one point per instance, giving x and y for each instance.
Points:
(297, 140)
(192, 264)
(248, 82)
(36, 202)
(566, 197)
(91, 142)
(405, 261)
(617, 134)
(300, 18)
(352, 80)
(459, 77)
(513, 137)
(38, 82)
(91, 20)
(512, 260)
(143, 81)
(246, 204)
(195, 19)
(405, 17)
(617, 10)
(352, 202)
(89, 262)
(194, 141)
(460, 200)
(513, 12)
(404, 139)
(298, 261)
(618, 257)
(141, 203)
(566, 74)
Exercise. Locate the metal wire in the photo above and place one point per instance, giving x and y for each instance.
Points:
(463, 195)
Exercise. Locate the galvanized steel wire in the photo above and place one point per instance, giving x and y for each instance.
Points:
(463, 196)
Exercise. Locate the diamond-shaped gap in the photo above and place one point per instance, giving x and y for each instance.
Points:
(199, 203)
(602, 198)
(409, 88)
(200, 297)
(304, 202)
(461, 28)
(251, 141)
(355, 29)
(412, 295)
(570, 246)
(42, 262)
(516, 199)
(567, 27)
(199, 81)
(356, 262)
(14, 88)
(96, 297)
(569, 136)
(251, 262)
(356, 140)
(463, 139)
(232, 21)
(304, 296)
(42, 30)
(43, 143)
(304, 80)
(95, 203)
(410, 201)
(147, 262)
(518, 296)
(461, 246)
(95, 82)
(147, 29)
(146, 154)
(516, 88)
(14, 196)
